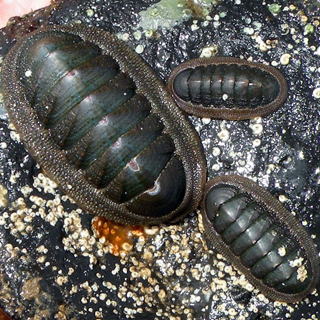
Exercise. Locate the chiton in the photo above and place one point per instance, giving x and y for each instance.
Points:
(263, 240)
(103, 126)
(227, 88)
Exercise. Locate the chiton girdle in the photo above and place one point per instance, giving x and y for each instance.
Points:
(260, 237)
(55, 82)
(227, 88)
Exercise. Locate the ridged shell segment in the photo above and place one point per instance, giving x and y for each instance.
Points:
(102, 126)
(264, 241)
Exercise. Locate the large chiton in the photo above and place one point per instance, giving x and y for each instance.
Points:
(227, 88)
(102, 125)
(256, 233)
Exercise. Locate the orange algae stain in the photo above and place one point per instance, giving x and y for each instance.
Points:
(119, 236)
(4, 316)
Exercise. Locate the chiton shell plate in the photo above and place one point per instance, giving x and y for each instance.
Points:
(227, 88)
(102, 125)
(262, 239)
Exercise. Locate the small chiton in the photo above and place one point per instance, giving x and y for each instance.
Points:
(102, 125)
(263, 240)
(227, 88)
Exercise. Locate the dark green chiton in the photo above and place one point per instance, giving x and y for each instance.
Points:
(103, 126)
(227, 88)
(263, 240)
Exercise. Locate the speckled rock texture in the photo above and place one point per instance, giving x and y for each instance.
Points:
(52, 264)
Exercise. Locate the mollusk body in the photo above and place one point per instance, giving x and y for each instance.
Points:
(260, 237)
(227, 88)
(102, 126)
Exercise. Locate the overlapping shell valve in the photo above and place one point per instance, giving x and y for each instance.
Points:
(104, 127)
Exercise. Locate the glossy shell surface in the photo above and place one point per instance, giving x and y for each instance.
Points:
(102, 125)
(227, 88)
(255, 232)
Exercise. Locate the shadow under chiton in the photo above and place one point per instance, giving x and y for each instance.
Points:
(255, 232)
(227, 88)
(102, 125)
